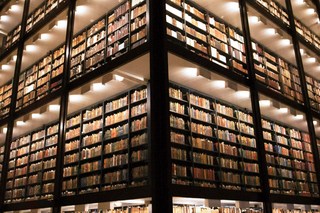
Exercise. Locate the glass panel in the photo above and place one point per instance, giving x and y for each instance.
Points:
(101, 32)
(39, 9)
(212, 131)
(3, 131)
(98, 138)
(274, 57)
(212, 31)
(10, 25)
(42, 62)
(6, 79)
(288, 150)
(33, 150)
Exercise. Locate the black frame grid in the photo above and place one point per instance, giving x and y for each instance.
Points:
(161, 188)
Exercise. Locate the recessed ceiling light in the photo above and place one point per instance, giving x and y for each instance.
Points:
(75, 98)
(265, 103)
(283, 110)
(35, 115)
(219, 84)
(118, 78)
(20, 123)
(310, 11)
(97, 86)
(54, 107)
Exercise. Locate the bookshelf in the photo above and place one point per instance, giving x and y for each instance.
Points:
(111, 36)
(276, 10)
(313, 89)
(2, 148)
(35, 17)
(5, 99)
(306, 34)
(12, 37)
(282, 210)
(138, 27)
(290, 160)
(106, 145)
(212, 143)
(41, 78)
(207, 35)
(276, 73)
(32, 165)
(212, 209)
(95, 45)
(118, 30)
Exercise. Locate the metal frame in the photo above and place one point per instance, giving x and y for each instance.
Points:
(160, 189)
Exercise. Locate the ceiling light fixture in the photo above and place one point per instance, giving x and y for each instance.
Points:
(35, 115)
(54, 107)
(283, 110)
(118, 77)
(219, 84)
(20, 123)
(265, 103)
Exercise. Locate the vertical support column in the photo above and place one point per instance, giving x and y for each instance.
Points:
(10, 124)
(160, 166)
(63, 109)
(255, 108)
(304, 91)
(264, 182)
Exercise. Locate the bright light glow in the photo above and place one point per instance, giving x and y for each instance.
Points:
(300, 1)
(14, 58)
(62, 24)
(5, 130)
(254, 19)
(228, 201)
(5, 67)
(301, 51)
(54, 107)
(233, 6)
(4, 18)
(81, 9)
(97, 86)
(30, 47)
(191, 72)
(118, 78)
(285, 41)
(44, 36)
(14, 7)
(219, 84)
(118, 204)
(310, 11)
(315, 122)
(283, 110)
(243, 94)
(20, 123)
(312, 59)
(265, 103)
(75, 98)
(35, 115)
(299, 116)
(271, 31)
